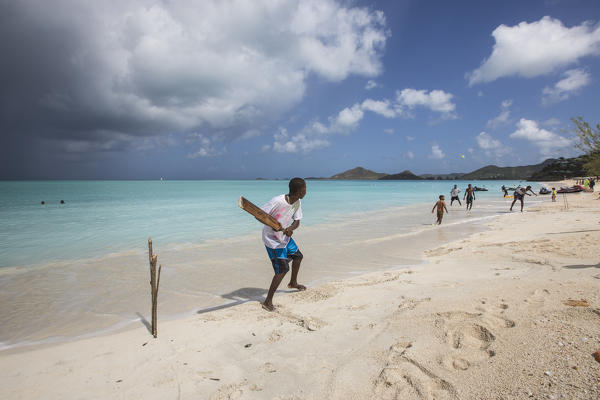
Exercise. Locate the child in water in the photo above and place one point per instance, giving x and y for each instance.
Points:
(441, 206)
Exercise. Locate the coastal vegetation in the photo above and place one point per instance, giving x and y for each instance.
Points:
(589, 142)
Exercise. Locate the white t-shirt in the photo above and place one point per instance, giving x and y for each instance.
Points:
(520, 190)
(286, 214)
(454, 192)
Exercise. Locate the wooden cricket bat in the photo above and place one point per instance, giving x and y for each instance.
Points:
(259, 214)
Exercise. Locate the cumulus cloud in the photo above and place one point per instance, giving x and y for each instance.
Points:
(348, 118)
(491, 146)
(96, 70)
(410, 155)
(537, 48)
(503, 117)
(389, 131)
(436, 152)
(284, 143)
(574, 79)
(382, 107)
(549, 143)
(313, 135)
(436, 100)
(371, 84)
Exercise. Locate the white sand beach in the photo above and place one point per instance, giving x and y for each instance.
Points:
(486, 315)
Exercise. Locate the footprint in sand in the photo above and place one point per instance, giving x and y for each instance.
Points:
(317, 294)
(308, 323)
(268, 368)
(469, 336)
(538, 297)
(275, 336)
(387, 277)
(489, 318)
(404, 378)
(407, 304)
(229, 392)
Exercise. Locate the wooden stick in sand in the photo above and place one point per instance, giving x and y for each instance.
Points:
(154, 282)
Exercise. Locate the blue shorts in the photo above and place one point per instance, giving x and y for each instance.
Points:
(280, 258)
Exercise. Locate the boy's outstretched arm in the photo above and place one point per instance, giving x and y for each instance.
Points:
(433, 208)
(445, 207)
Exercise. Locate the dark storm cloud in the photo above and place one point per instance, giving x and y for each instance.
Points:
(84, 77)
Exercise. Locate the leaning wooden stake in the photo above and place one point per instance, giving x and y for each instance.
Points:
(154, 282)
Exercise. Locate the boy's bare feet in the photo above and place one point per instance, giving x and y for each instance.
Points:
(268, 307)
(297, 286)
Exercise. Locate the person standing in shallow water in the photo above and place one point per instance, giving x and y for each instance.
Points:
(441, 206)
(454, 195)
(470, 196)
(281, 248)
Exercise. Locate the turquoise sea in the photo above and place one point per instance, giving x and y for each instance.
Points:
(102, 217)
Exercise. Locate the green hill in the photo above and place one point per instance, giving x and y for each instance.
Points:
(560, 169)
(404, 175)
(550, 169)
(358, 173)
(506, 173)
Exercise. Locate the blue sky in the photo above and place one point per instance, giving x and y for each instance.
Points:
(141, 89)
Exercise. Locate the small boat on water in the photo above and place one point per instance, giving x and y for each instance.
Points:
(545, 191)
(480, 189)
(572, 189)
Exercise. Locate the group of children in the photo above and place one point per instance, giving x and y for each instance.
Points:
(519, 194)
(469, 196)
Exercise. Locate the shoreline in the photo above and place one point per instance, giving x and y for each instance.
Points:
(462, 221)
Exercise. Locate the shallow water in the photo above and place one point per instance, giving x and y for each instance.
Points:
(101, 217)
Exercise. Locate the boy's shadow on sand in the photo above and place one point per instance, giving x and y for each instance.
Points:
(243, 295)
(582, 266)
(239, 296)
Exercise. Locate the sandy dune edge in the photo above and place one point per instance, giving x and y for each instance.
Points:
(484, 318)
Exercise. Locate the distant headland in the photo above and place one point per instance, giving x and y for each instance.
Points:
(548, 170)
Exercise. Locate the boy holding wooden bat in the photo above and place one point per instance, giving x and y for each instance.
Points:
(281, 248)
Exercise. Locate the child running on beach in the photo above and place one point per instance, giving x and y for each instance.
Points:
(281, 248)
(470, 195)
(441, 206)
